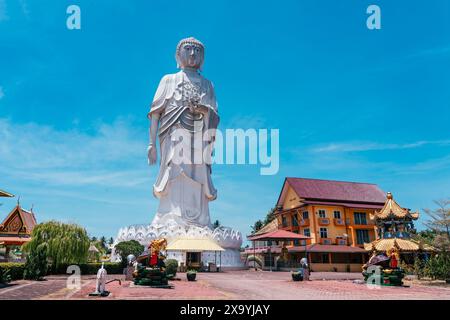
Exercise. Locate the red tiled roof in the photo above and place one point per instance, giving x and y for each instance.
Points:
(27, 217)
(346, 204)
(311, 248)
(337, 190)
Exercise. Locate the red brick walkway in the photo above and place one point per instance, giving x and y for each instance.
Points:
(244, 285)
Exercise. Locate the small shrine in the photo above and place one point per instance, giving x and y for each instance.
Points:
(15, 230)
(394, 226)
(150, 269)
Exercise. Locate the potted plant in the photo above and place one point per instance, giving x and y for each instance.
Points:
(297, 276)
(191, 274)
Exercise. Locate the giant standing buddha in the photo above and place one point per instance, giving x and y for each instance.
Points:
(184, 108)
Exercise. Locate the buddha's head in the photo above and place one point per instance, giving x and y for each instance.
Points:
(190, 54)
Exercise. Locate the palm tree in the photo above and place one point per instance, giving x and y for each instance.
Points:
(103, 242)
(216, 224)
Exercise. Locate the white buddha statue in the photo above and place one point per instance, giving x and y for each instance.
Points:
(183, 109)
(184, 118)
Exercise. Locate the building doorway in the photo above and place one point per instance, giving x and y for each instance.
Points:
(193, 260)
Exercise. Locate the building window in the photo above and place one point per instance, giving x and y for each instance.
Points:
(323, 232)
(362, 236)
(305, 215)
(337, 214)
(307, 232)
(360, 218)
(269, 260)
(284, 221)
(296, 241)
(295, 220)
(318, 257)
(322, 214)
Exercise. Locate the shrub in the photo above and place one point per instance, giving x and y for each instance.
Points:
(126, 248)
(418, 267)
(14, 269)
(171, 266)
(91, 268)
(409, 269)
(438, 267)
(36, 265)
(66, 243)
(4, 276)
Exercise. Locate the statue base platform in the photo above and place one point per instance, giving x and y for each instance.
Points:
(228, 238)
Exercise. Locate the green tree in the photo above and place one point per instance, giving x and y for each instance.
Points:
(270, 216)
(66, 243)
(418, 267)
(103, 243)
(439, 217)
(126, 248)
(111, 241)
(257, 226)
(36, 265)
(216, 224)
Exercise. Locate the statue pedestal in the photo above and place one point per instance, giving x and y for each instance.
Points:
(227, 238)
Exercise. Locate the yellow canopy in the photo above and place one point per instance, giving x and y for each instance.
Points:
(183, 244)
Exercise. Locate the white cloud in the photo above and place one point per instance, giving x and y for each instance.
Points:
(442, 50)
(25, 8)
(373, 146)
(3, 12)
(41, 153)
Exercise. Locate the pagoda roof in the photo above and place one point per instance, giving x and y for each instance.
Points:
(400, 244)
(392, 209)
(18, 221)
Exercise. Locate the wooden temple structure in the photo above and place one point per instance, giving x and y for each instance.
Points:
(16, 228)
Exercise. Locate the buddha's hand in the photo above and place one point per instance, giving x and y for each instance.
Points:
(201, 109)
(151, 154)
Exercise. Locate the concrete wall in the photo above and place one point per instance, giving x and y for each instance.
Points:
(341, 267)
(325, 267)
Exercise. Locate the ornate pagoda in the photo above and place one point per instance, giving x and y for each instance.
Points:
(16, 228)
(394, 226)
(393, 221)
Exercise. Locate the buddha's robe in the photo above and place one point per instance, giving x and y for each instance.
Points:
(184, 189)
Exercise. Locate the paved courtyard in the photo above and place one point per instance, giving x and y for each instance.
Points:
(246, 285)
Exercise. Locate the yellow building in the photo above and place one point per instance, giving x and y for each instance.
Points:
(334, 214)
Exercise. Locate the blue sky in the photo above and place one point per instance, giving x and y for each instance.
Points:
(350, 103)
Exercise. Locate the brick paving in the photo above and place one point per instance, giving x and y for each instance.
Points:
(246, 285)
(27, 290)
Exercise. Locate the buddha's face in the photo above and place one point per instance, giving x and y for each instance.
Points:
(190, 56)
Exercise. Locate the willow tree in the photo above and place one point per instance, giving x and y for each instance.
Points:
(66, 243)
